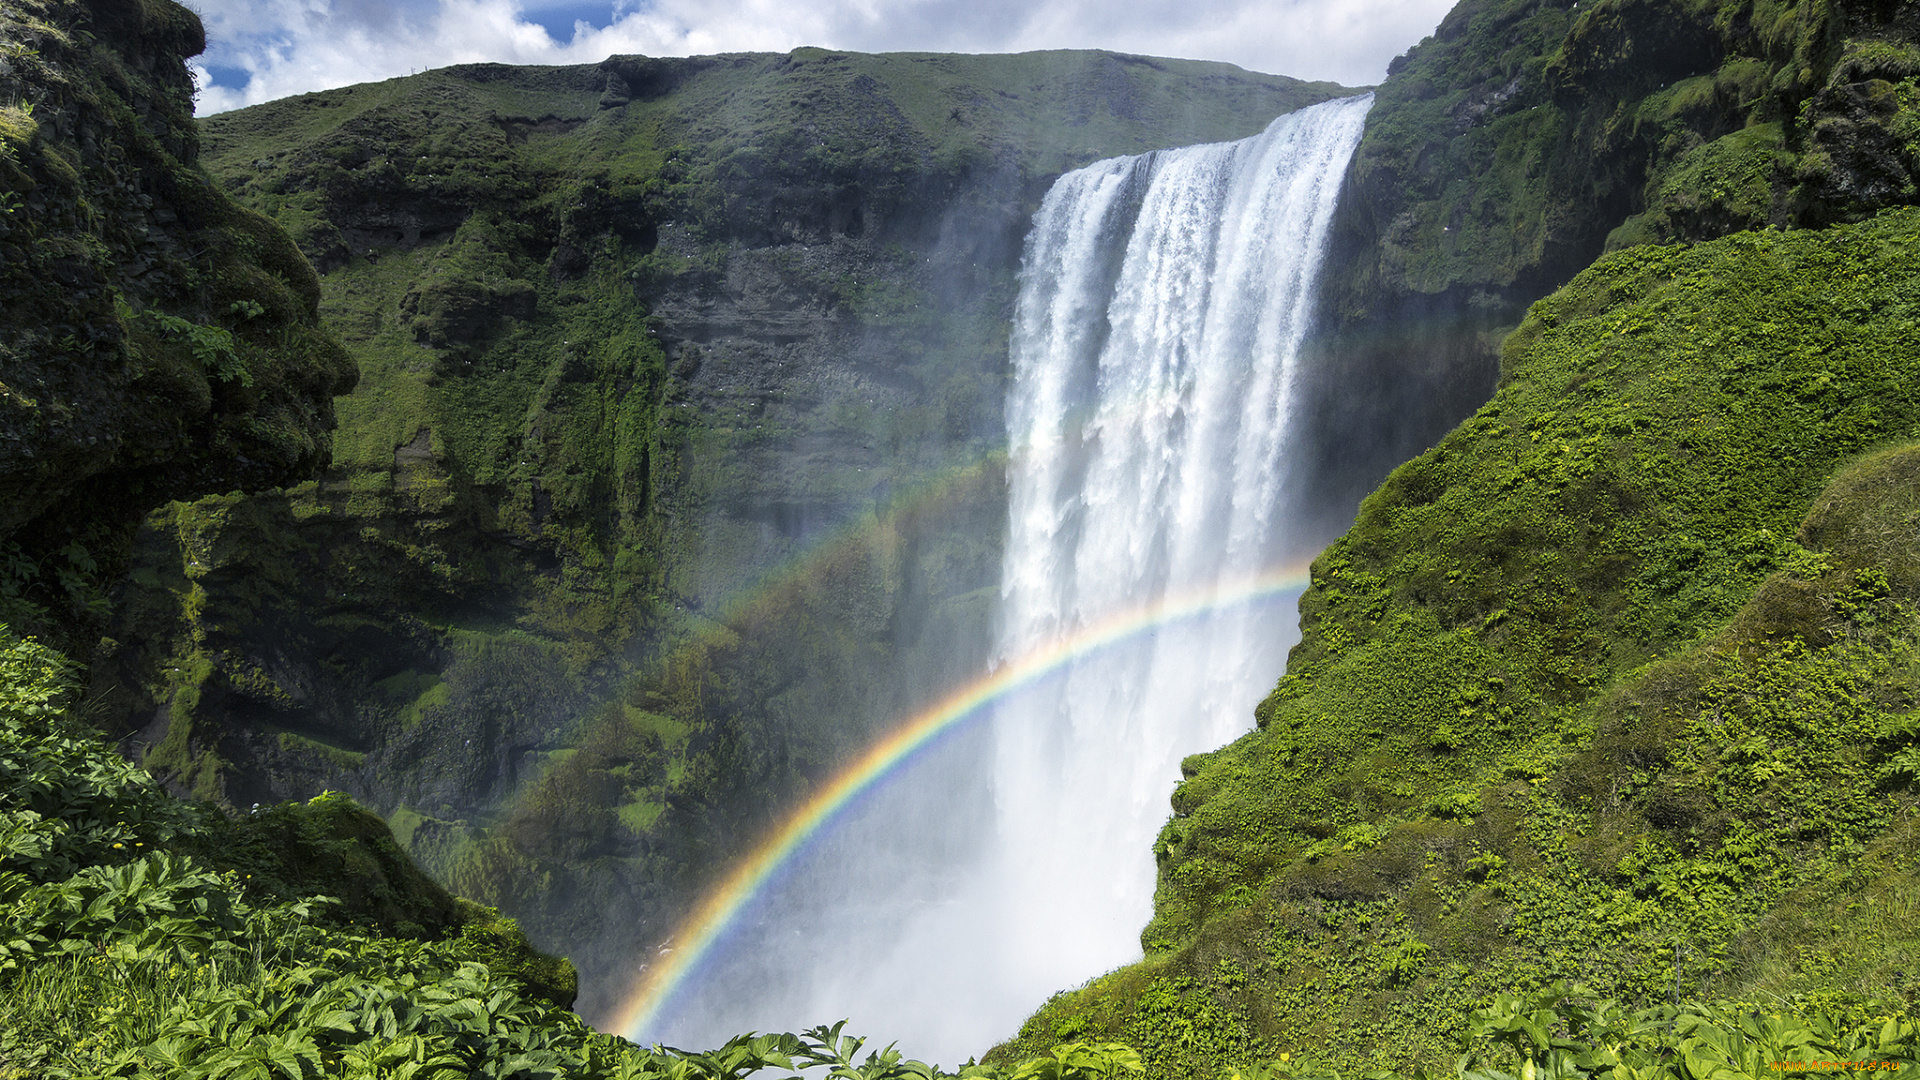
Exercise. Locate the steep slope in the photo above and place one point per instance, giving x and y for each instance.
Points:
(1613, 685)
(1525, 137)
(674, 470)
(156, 340)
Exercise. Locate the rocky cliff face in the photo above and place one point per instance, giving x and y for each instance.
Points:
(674, 471)
(1525, 137)
(156, 340)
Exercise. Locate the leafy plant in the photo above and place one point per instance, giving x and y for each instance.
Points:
(212, 346)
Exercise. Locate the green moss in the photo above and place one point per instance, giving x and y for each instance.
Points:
(337, 756)
(1723, 186)
(498, 942)
(639, 817)
(17, 127)
(421, 692)
(404, 822)
(331, 846)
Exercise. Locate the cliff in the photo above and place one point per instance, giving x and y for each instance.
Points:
(674, 471)
(1525, 138)
(157, 341)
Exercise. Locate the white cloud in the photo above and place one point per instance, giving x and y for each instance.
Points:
(295, 46)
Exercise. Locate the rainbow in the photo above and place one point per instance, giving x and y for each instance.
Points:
(702, 929)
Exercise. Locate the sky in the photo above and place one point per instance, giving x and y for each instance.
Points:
(258, 50)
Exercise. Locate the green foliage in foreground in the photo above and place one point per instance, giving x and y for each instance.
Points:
(134, 944)
(1562, 1034)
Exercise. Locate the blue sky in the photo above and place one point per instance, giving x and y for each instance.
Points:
(263, 49)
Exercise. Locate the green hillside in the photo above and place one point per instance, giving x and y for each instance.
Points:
(1614, 686)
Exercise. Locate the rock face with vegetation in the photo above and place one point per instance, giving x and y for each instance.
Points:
(158, 341)
(1526, 137)
(674, 472)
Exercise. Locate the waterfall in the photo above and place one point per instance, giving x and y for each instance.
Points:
(1150, 415)
(1163, 302)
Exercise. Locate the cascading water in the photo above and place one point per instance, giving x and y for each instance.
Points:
(1163, 303)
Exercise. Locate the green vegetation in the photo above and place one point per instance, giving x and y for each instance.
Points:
(145, 937)
(1563, 1033)
(1507, 149)
(1614, 684)
(141, 936)
(1524, 138)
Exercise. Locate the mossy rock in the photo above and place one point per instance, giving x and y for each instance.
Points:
(1523, 139)
(158, 340)
(332, 846)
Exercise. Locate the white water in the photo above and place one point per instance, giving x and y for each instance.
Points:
(1163, 302)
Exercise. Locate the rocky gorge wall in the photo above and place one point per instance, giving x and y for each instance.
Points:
(1524, 138)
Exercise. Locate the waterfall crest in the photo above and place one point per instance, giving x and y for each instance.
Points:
(1163, 302)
